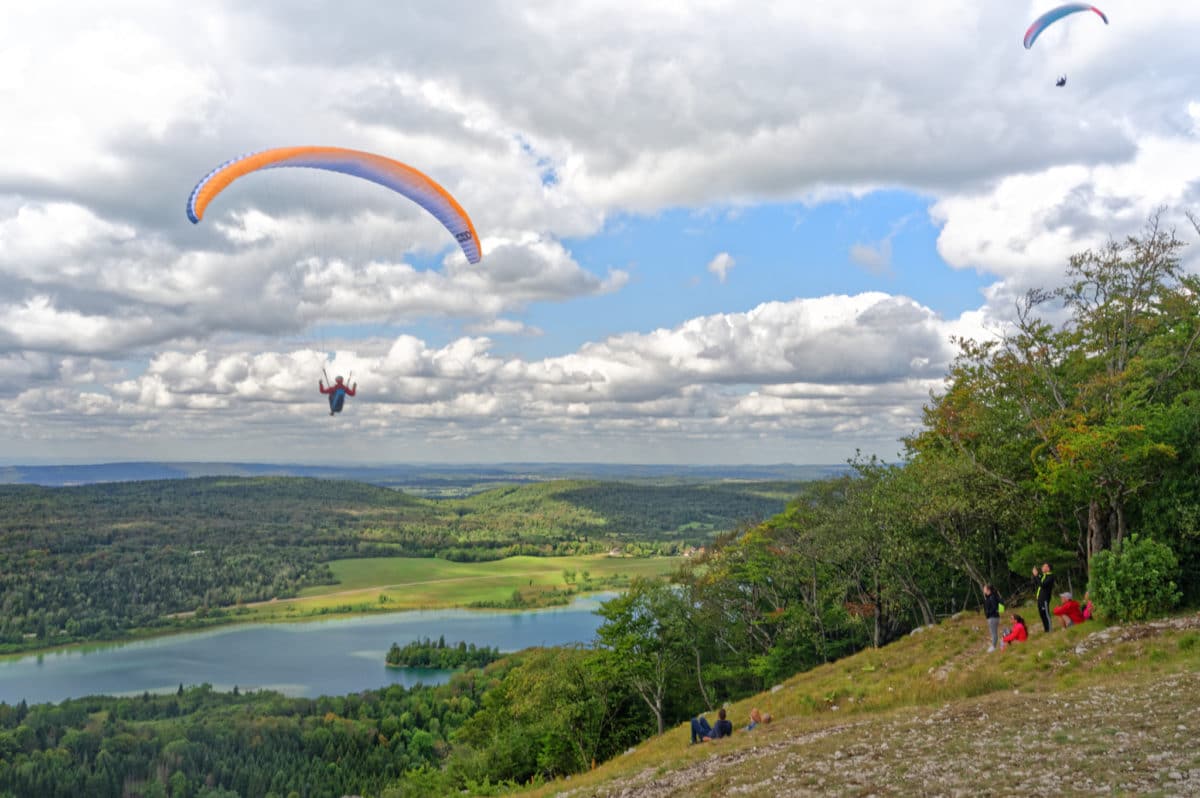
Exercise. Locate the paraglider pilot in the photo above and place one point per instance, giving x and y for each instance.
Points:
(1062, 81)
(337, 393)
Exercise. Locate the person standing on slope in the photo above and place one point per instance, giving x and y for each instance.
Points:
(991, 611)
(1044, 582)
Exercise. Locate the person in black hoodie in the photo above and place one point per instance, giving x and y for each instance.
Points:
(991, 611)
(702, 732)
(1044, 582)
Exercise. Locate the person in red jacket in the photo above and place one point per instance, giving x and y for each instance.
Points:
(1069, 611)
(1019, 633)
(337, 393)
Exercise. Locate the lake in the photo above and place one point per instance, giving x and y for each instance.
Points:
(332, 657)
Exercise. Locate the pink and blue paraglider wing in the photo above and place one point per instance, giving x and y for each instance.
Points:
(1054, 15)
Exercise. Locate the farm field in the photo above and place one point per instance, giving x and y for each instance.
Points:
(406, 583)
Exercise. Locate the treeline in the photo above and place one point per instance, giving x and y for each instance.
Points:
(537, 714)
(1075, 430)
(100, 561)
(204, 744)
(427, 654)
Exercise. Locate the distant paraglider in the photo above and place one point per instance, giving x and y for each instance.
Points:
(337, 392)
(399, 177)
(1054, 15)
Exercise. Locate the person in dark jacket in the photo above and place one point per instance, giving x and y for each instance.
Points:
(1044, 582)
(991, 611)
(702, 732)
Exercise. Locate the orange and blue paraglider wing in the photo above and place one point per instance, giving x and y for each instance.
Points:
(1054, 15)
(399, 177)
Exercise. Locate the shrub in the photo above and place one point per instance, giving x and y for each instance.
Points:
(1134, 580)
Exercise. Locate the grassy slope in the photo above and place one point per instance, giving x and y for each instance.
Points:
(1080, 711)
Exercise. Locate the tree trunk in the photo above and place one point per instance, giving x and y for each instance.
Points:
(1097, 529)
(926, 611)
(653, 696)
(700, 680)
(876, 633)
(1119, 513)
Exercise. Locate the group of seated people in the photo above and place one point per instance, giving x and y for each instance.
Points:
(702, 732)
(1069, 612)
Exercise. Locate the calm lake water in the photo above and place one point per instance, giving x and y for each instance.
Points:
(315, 658)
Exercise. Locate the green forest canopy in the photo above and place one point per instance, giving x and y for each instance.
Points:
(98, 561)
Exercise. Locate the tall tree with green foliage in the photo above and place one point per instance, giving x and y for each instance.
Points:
(1067, 420)
(642, 641)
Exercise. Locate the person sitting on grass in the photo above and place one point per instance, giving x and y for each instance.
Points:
(758, 718)
(1019, 633)
(1069, 611)
(702, 732)
(1089, 610)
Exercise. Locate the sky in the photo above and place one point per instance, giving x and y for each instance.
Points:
(713, 233)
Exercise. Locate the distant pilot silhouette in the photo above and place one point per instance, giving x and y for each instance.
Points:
(337, 393)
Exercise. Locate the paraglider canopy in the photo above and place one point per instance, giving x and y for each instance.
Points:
(1054, 15)
(399, 177)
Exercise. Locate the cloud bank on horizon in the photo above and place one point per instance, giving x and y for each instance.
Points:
(709, 235)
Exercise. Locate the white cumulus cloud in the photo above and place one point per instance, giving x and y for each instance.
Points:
(720, 265)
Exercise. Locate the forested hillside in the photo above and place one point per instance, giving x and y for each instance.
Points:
(96, 561)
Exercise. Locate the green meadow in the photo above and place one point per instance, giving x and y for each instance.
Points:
(388, 584)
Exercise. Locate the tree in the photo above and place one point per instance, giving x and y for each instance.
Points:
(1063, 419)
(642, 640)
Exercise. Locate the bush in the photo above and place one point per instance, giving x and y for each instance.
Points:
(1135, 580)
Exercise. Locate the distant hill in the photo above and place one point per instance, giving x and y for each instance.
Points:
(421, 477)
(100, 561)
